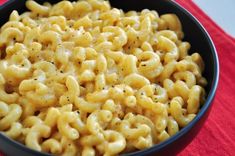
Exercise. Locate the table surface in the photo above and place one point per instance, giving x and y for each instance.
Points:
(222, 12)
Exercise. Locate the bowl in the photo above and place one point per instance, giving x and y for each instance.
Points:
(194, 33)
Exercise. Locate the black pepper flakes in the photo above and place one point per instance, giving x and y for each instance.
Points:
(36, 113)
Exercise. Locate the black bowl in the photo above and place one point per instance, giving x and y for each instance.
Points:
(200, 42)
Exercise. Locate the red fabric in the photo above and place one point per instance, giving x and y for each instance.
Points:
(217, 137)
(2, 2)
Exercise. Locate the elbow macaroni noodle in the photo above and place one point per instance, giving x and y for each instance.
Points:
(82, 78)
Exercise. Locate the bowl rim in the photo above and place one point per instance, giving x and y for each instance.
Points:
(184, 130)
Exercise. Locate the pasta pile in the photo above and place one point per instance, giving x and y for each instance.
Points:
(82, 78)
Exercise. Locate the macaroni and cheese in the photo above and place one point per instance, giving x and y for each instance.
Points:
(83, 78)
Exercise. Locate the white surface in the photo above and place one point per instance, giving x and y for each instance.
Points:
(221, 11)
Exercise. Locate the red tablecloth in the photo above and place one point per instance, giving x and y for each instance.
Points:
(217, 137)
(2, 2)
